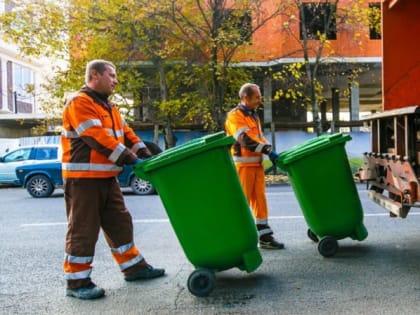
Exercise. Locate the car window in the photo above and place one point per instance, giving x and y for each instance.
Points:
(18, 155)
(46, 154)
(53, 152)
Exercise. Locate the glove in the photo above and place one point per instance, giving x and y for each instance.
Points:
(136, 162)
(273, 156)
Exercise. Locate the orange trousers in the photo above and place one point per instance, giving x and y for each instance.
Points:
(252, 179)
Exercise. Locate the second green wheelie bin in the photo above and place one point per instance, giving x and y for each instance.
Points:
(320, 174)
(201, 193)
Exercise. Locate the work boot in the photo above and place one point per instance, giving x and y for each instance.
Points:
(88, 292)
(270, 243)
(147, 272)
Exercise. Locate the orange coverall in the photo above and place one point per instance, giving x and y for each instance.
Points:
(247, 151)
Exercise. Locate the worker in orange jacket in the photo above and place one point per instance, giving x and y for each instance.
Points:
(243, 124)
(96, 144)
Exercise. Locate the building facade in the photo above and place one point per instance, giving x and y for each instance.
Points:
(20, 88)
(276, 44)
(352, 44)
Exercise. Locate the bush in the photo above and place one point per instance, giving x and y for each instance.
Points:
(281, 176)
(355, 164)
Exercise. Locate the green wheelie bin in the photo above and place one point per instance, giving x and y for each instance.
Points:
(201, 193)
(321, 177)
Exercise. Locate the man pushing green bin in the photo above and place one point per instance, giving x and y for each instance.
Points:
(200, 190)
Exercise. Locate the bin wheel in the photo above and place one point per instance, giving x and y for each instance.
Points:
(201, 282)
(328, 246)
(313, 236)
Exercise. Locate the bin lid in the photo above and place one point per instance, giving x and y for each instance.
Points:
(310, 147)
(187, 149)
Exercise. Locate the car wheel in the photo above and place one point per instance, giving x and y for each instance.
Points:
(39, 186)
(141, 187)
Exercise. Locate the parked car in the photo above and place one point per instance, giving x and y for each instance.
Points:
(27, 155)
(41, 179)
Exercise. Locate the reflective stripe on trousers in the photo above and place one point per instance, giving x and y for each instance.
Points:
(126, 256)
(76, 268)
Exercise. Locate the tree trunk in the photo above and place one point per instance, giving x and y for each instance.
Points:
(169, 137)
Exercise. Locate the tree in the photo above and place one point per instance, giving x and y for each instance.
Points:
(314, 30)
(79, 31)
(213, 31)
(195, 39)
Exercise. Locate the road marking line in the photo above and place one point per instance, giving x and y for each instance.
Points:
(43, 224)
(285, 217)
(151, 221)
(366, 215)
(65, 223)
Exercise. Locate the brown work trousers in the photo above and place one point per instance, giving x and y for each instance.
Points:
(92, 204)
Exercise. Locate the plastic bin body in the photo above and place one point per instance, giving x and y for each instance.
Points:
(200, 190)
(321, 177)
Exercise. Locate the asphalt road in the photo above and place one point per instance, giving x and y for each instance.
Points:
(380, 275)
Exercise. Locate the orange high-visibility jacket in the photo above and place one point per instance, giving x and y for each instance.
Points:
(96, 140)
(250, 145)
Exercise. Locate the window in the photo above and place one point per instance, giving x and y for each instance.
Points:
(6, 6)
(18, 155)
(23, 83)
(244, 25)
(317, 19)
(46, 154)
(239, 21)
(375, 20)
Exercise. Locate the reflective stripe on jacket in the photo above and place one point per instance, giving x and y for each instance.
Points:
(96, 140)
(250, 145)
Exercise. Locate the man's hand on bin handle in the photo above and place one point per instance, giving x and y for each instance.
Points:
(136, 162)
(273, 156)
